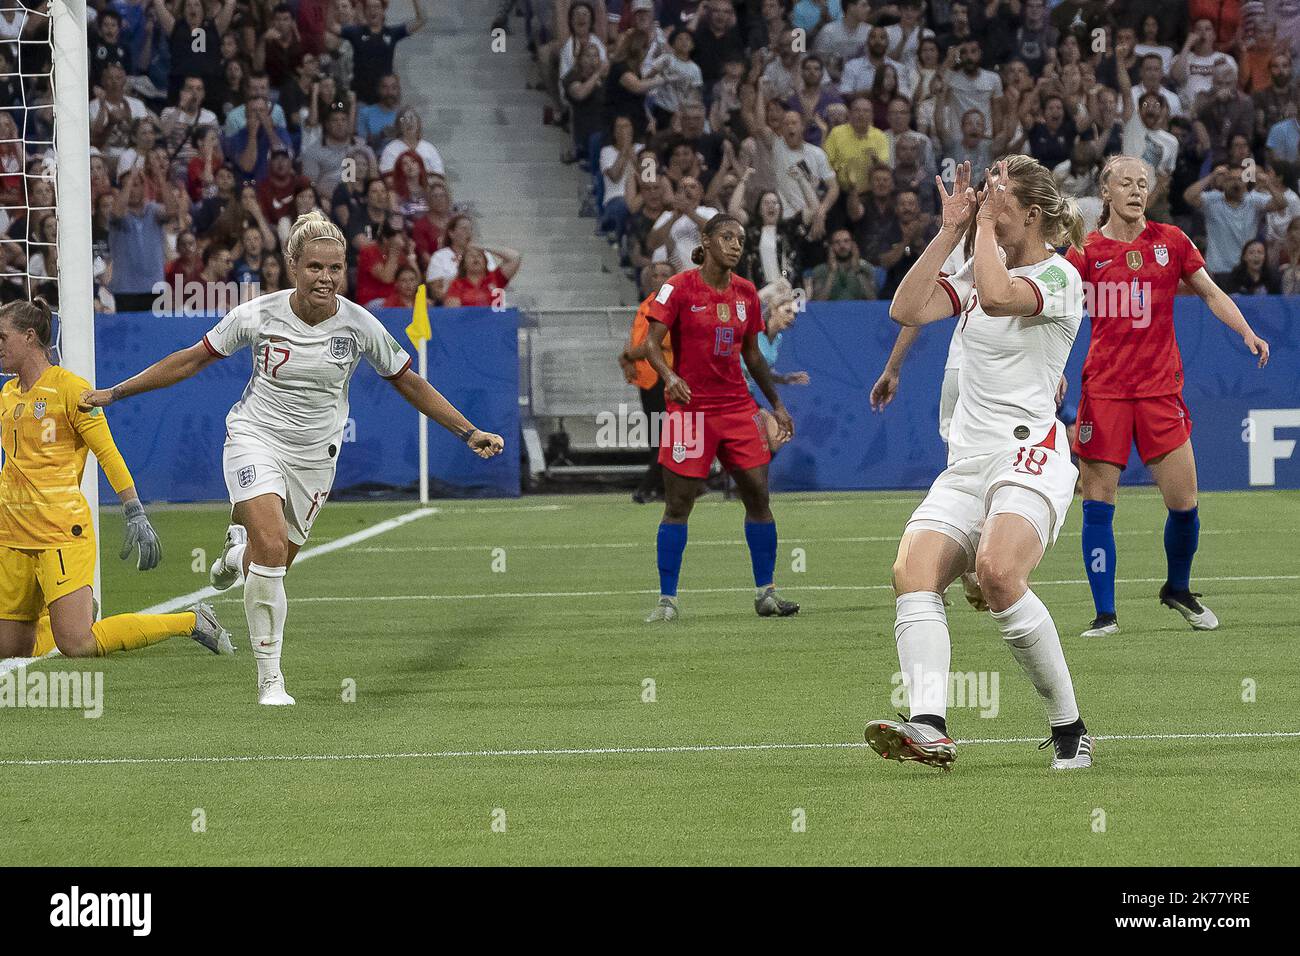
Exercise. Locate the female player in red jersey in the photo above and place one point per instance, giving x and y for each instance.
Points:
(1133, 382)
(714, 318)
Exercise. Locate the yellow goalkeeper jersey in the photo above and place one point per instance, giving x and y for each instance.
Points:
(44, 439)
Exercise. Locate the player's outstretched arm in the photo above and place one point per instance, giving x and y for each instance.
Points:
(886, 387)
(428, 401)
(1226, 311)
(761, 373)
(920, 299)
(176, 367)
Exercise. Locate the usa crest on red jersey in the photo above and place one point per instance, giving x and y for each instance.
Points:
(1162, 254)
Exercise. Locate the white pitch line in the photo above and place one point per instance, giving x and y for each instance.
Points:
(185, 600)
(643, 591)
(588, 751)
(736, 542)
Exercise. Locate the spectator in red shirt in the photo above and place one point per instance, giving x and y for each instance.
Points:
(378, 263)
(276, 192)
(313, 17)
(188, 262)
(403, 294)
(475, 285)
(410, 184)
(283, 48)
(200, 180)
(1224, 14)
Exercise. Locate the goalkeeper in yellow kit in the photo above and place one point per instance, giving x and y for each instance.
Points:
(47, 540)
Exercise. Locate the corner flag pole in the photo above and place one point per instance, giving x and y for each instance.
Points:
(72, 146)
(423, 350)
(419, 333)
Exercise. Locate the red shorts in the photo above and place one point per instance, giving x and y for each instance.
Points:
(689, 441)
(1107, 427)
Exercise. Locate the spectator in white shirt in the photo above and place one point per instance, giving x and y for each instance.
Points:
(676, 232)
(683, 81)
(780, 74)
(1147, 136)
(445, 263)
(844, 39)
(618, 163)
(905, 36)
(1193, 67)
(860, 72)
(972, 87)
(411, 137)
(1152, 76)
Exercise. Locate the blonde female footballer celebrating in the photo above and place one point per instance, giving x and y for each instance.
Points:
(283, 435)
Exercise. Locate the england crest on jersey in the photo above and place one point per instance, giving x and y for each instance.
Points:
(38, 409)
(1162, 254)
(340, 348)
(247, 475)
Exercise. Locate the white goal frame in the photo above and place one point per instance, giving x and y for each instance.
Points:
(71, 86)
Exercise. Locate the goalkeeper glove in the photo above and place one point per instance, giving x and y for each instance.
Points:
(140, 534)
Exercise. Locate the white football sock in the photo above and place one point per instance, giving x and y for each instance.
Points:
(265, 607)
(235, 557)
(1029, 631)
(924, 651)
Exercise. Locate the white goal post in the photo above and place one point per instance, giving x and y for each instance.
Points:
(72, 147)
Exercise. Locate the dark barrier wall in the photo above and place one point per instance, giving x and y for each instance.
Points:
(841, 444)
(172, 439)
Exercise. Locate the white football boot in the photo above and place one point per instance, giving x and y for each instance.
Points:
(1070, 751)
(1103, 625)
(665, 610)
(222, 576)
(208, 630)
(911, 741)
(272, 693)
(1193, 611)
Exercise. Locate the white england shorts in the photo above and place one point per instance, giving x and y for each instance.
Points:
(253, 469)
(1034, 481)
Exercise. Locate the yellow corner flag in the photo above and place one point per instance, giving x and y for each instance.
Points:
(418, 331)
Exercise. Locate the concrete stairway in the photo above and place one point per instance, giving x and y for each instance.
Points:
(502, 162)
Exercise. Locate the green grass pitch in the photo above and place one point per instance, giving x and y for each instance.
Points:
(460, 652)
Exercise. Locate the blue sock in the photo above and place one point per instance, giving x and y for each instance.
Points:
(670, 544)
(1182, 532)
(1099, 553)
(761, 537)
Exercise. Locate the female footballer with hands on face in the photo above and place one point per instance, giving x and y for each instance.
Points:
(284, 434)
(47, 538)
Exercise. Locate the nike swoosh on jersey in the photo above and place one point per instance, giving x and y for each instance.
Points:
(698, 308)
(1101, 263)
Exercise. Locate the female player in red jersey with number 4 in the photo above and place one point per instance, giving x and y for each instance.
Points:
(1133, 383)
(714, 318)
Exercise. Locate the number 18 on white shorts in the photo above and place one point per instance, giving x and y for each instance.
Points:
(1035, 480)
(252, 469)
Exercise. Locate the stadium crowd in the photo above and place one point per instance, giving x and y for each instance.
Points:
(213, 124)
(822, 123)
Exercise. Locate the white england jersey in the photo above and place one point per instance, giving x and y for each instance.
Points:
(297, 400)
(1011, 365)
